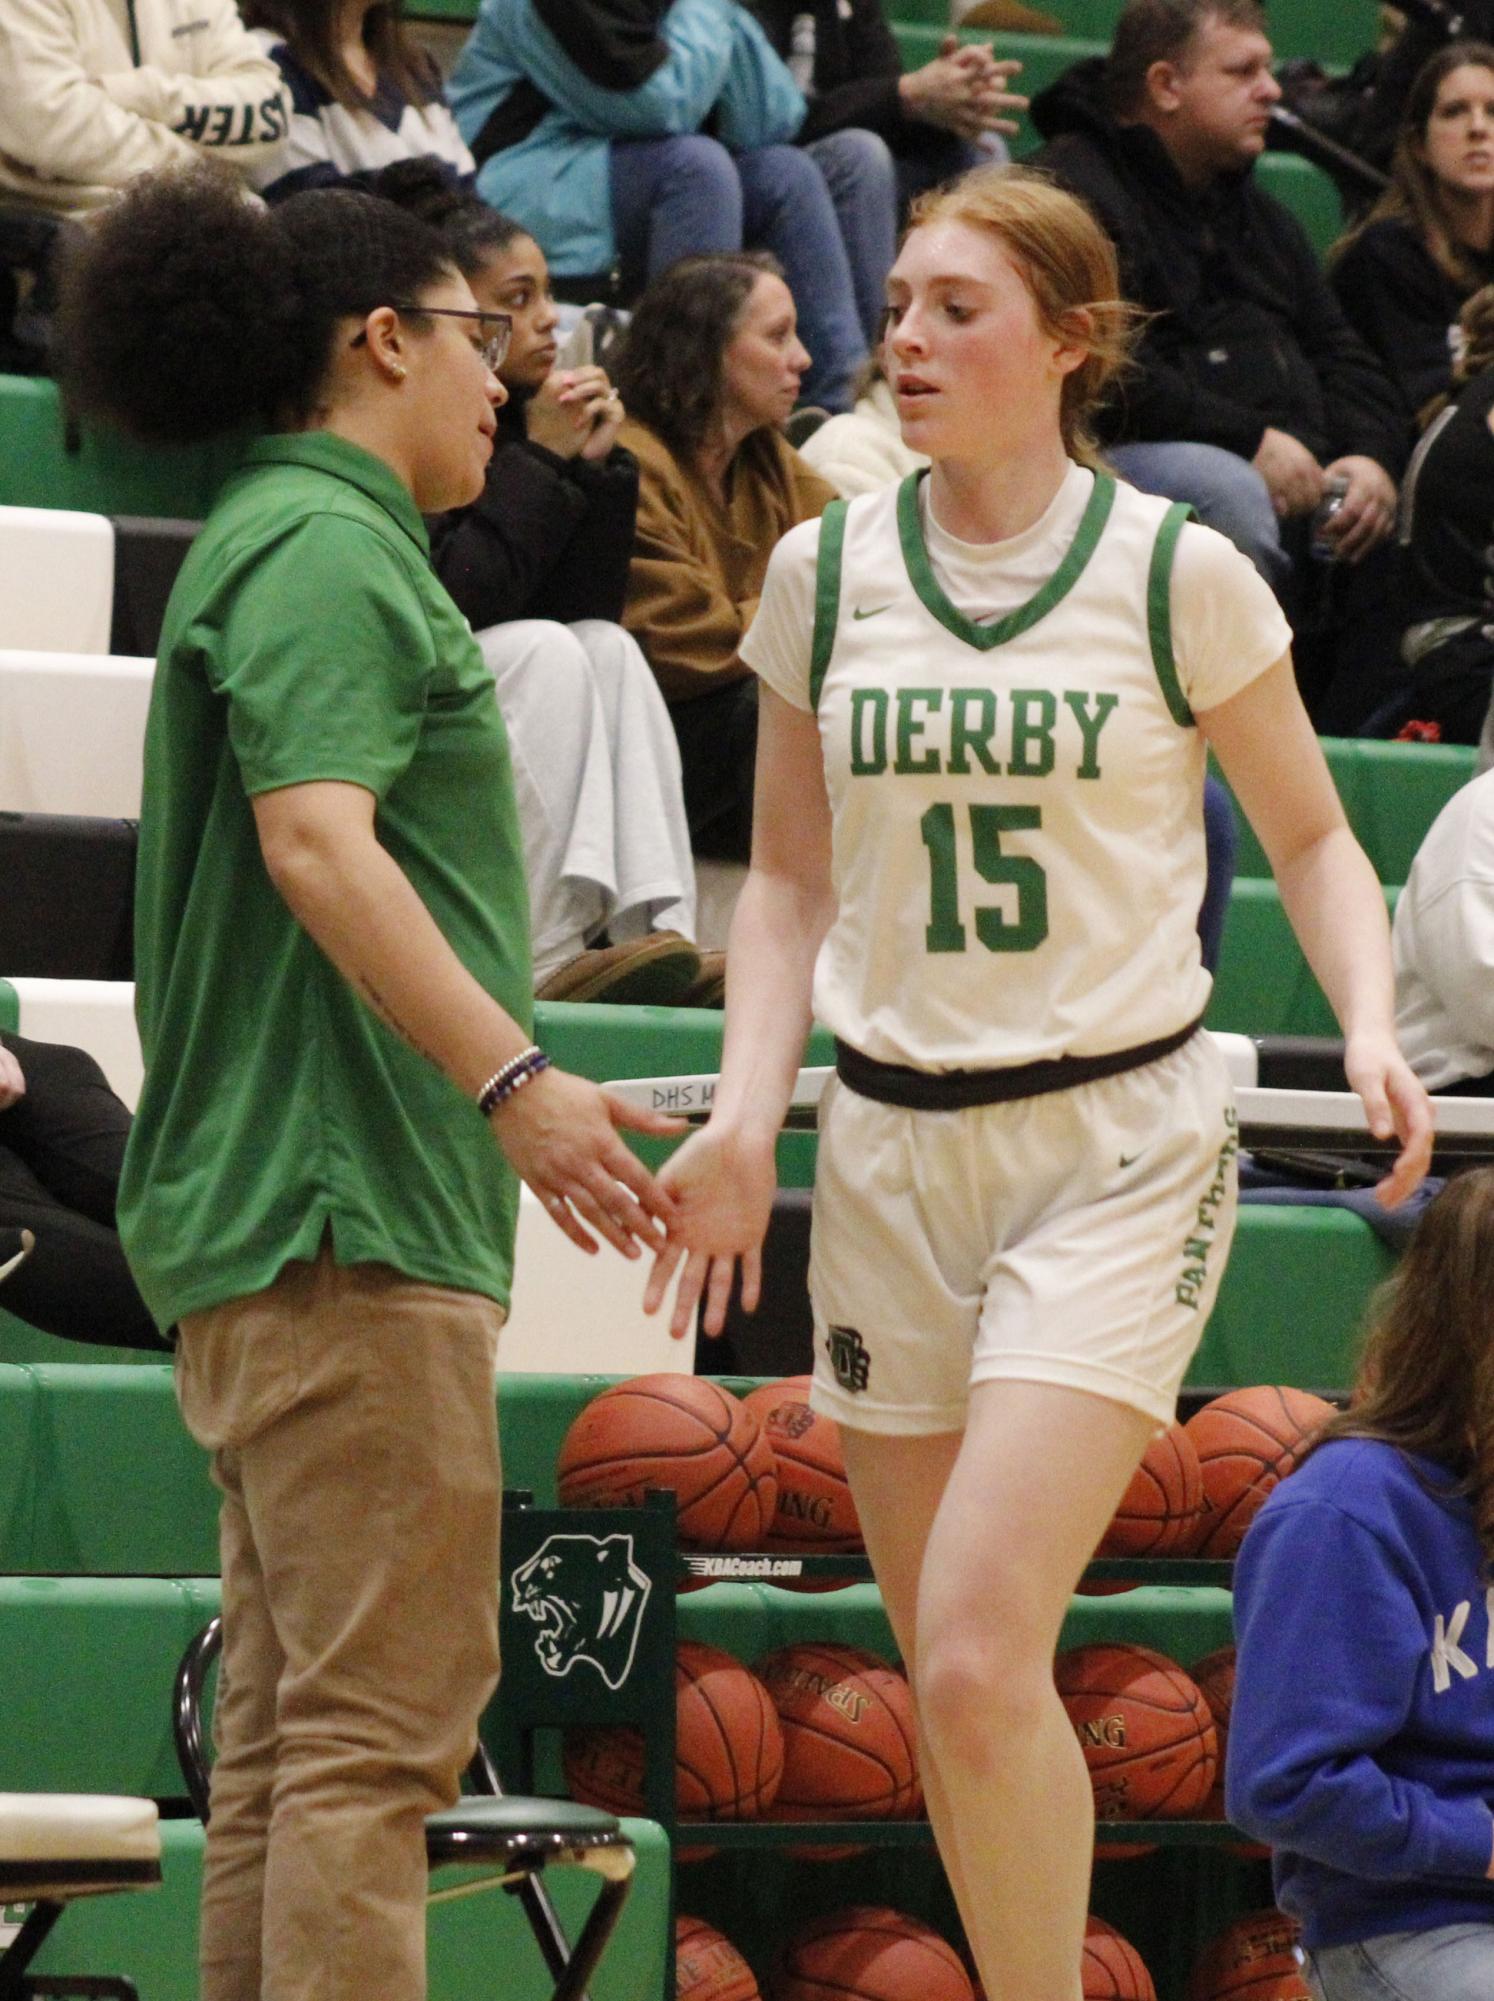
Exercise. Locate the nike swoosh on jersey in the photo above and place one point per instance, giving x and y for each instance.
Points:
(859, 612)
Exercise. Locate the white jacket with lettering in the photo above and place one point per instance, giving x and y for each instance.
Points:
(93, 92)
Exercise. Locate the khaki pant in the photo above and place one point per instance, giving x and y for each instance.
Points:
(350, 1415)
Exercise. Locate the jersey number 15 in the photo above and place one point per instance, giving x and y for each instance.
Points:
(995, 930)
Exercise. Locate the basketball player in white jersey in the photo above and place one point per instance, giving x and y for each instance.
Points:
(987, 699)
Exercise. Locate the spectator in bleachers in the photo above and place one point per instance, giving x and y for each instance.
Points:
(62, 1142)
(1428, 244)
(1442, 939)
(363, 93)
(93, 93)
(870, 123)
(709, 370)
(1251, 392)
(539, 565)
(624, 138)
(1361, 1741)
(333, 991)
(1446, 569)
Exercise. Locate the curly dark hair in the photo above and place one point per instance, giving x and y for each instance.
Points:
(187, 311)
(428, 188)
(1426, 1377)
(309, 29)
(669, 366)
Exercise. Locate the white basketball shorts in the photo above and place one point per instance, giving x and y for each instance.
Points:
(1076, 1238)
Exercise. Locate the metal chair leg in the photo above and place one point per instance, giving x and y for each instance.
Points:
(590, 1946)
(24, 1947)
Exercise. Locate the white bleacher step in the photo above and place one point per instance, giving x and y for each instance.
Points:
(94, 1015)
(72, 732)
(56, 579)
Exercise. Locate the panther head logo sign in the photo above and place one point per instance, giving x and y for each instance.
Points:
(587, 1596)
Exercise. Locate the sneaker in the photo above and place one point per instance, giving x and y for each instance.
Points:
(708, 988)
(655, 971)
(15, 1247)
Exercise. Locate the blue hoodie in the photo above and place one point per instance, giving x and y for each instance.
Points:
(1362, 1740)
(556, 182)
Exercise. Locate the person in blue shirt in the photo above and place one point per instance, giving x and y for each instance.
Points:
(625, 137)
(1362, 1740)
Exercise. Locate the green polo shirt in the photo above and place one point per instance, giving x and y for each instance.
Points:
(308, 638)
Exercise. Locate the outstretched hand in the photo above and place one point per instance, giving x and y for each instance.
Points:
(721, 1189)
(1395, 1101)
(560, 1134)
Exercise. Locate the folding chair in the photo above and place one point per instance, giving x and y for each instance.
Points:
(58, 1846)
(518, 1837)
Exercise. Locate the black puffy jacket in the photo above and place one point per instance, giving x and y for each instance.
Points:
(1247, 334)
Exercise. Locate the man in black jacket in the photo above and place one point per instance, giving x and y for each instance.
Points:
(1252, 393)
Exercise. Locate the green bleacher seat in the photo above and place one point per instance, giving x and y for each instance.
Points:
(1335, 32)
(1392, 792)
(106, 474)
(1263, 986)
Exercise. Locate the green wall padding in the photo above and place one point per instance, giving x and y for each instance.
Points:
(1263, 985)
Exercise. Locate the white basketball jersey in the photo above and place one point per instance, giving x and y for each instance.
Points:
(1018, 847)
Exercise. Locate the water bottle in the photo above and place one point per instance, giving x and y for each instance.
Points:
(1322, 547)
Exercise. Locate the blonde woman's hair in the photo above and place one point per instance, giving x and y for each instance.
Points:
(1069, 266)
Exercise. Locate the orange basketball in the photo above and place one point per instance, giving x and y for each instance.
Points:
(707, 1966)
(680, 1432)
(1215, 1675)
(1246, 1442)
(865, 1952)
(815, 1515)
(848, 1734)
(1254, 1959)
(1113, 1969)
(1160, 1510)
(728, 1746)
(1145, 1730)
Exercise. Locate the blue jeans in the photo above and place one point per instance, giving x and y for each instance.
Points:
(674, 198)
(1455, 1963)
(862, 177)
(1224, 490)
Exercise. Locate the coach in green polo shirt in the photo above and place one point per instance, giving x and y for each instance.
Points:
(333, 992)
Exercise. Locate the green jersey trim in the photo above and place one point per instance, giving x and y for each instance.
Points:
(826, 596)
(1159, 612)
(984, 637)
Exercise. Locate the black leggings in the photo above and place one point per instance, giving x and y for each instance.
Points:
(61, 1146)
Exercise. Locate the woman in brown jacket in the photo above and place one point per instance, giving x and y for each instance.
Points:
(709, 371)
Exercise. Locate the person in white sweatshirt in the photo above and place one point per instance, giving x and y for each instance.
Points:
(94, 92)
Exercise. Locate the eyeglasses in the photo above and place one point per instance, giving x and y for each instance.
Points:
(494, 349)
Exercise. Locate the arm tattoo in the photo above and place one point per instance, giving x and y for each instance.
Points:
(391, 1020)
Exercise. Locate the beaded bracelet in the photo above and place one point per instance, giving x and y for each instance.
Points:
(513, 1076)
